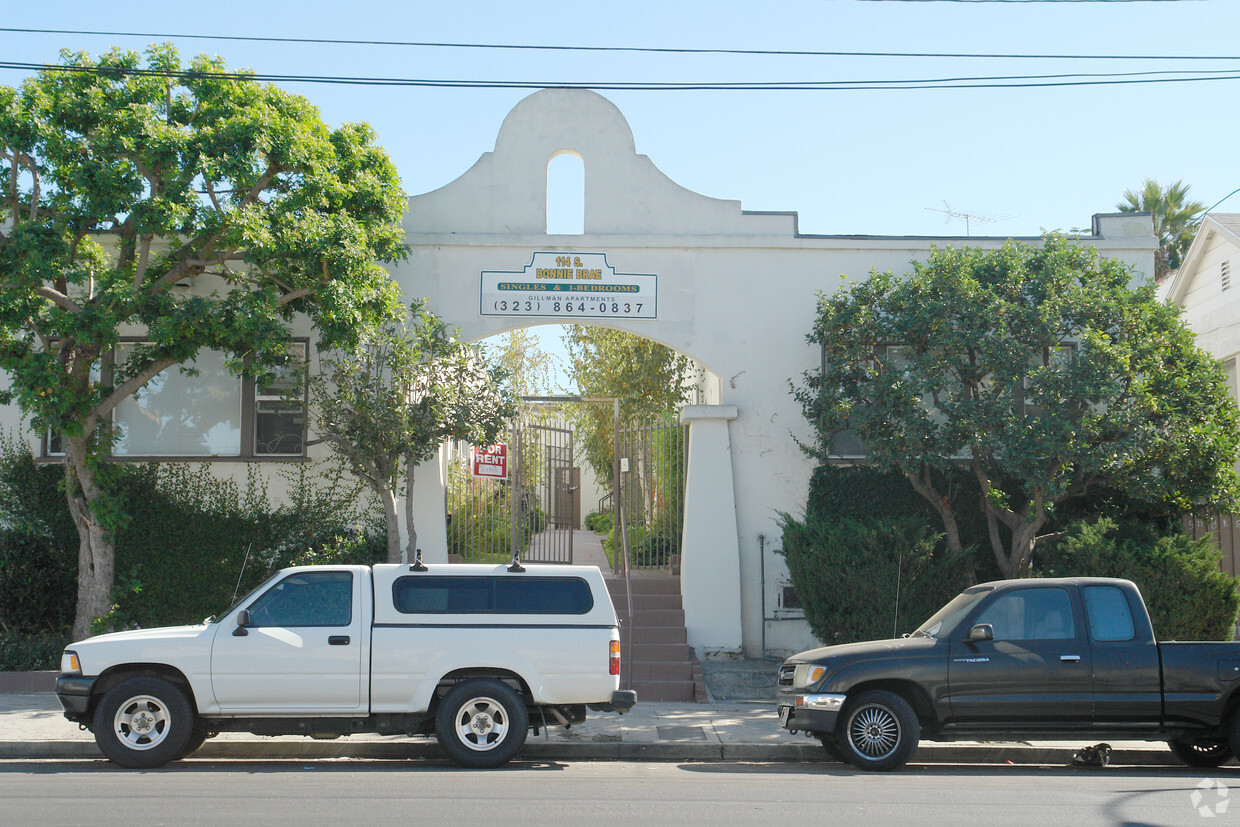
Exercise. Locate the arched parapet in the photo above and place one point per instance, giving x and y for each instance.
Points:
(505, 192)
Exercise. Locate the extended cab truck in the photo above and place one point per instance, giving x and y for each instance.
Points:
(475, 654)
(1047, 659)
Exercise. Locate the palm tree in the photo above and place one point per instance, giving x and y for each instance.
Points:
(1174, 220)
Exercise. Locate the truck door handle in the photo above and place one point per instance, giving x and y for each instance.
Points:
(1069, 658)
(338, 640)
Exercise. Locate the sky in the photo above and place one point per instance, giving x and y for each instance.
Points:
(874, 161)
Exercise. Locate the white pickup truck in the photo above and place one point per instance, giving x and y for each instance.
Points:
(475, 654)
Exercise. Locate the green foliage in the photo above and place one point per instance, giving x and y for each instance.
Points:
(647, 377)
(194, 539)
(599, 522)
(186, 202)
(1174, 217)
(387, 404)
(1041, 370)
(33, 652)
(846, 574)
(1188, 595)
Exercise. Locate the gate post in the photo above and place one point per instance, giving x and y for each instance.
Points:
(430, 509)
(710, 563)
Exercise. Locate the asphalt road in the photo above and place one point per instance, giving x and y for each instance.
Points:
(605, 792)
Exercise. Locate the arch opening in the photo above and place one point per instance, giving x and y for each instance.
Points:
(566, 194)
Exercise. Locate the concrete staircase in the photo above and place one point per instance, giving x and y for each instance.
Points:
(662, 665)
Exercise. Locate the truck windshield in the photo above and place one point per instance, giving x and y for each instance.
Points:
(948, 617)
(248, 595)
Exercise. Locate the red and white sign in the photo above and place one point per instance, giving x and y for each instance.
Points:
(490, 461)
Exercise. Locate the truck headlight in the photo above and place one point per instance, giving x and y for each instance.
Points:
(808, 674)
(69, 663)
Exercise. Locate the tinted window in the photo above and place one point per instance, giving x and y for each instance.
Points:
(1109, 615)
(1030, 614)
(492, 595)
(312, 598)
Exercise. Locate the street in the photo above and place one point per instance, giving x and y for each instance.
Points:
(605, 792)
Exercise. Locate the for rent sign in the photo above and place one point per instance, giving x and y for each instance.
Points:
(490, 461)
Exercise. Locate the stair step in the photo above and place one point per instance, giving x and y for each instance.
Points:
(654, 652)
(654, 634)
(653, 618)
(662, 671)
(643, 585)
(650, 602)
(663, 690)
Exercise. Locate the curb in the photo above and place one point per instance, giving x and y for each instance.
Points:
(309, 750)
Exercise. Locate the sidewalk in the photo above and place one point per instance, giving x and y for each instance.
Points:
(32, 728)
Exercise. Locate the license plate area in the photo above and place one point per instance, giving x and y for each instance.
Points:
(784, 713)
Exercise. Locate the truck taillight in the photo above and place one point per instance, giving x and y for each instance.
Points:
(614, 661)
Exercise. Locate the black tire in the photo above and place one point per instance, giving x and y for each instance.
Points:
(143, 722)
(833, 749)
(481, 723)
(878, 731)
(1201, 752)
(197, 737)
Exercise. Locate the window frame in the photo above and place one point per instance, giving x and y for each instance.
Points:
(248, 420)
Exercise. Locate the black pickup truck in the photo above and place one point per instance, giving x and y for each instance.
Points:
(1037, 659)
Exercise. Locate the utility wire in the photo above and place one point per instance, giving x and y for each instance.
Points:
(639, 49)
(991, 82)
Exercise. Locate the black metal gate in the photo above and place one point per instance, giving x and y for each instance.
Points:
(533, 509)
(652, 492)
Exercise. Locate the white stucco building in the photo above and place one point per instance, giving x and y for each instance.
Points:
(734, 290)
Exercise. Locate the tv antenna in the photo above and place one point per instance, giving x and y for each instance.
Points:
(969, 217)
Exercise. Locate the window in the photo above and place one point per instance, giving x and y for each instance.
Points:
(318, 598)
(1030, 614)
(210, 412)
(1110, 618)
(566, 195)
(492, 595)
(280, 409)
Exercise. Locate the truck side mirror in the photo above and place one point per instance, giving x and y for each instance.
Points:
(980, 632)
(243, 620)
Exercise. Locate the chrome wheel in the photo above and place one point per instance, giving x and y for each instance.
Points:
(482, 724)
(874, 731)
(878, 730)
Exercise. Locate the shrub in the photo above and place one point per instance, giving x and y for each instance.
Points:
(1188, 595)
(37, 651)
(855, 580)
(599, 522)
(38, 584)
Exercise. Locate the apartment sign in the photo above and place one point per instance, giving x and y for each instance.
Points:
(569, 286)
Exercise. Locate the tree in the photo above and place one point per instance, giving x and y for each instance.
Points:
(528, 366)
(647, 377)
(1174, 220)
(1040, 370)
(386, 405)
(191, 205)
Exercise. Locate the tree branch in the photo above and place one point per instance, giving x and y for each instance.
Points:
(125, 390)
(59, 298)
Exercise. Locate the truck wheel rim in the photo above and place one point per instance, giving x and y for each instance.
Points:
(141, 722)
(482, 724)
(874, 731)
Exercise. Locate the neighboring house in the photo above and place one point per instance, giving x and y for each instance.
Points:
(1207, 286)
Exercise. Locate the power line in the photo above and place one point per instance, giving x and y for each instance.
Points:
(638, 49)
(990, 82)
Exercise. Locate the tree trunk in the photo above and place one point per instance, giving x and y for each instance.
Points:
(951, 531)
(412, 547)
(388, 497)
(96, 547)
